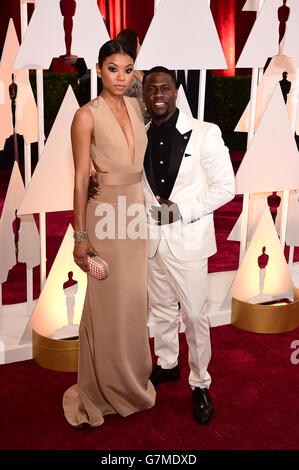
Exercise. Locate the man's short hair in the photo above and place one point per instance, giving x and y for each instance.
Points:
(160, 69)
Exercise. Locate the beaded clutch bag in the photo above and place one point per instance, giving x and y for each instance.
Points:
(97, 266)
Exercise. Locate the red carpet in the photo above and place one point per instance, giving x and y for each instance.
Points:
(255, 392)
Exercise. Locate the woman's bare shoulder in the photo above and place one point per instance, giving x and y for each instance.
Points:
(83, 117)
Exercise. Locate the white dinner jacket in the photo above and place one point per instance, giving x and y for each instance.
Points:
(205, 181)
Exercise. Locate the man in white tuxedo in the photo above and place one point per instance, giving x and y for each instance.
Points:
(188, 174)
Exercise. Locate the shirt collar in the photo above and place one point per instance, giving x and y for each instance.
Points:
(170, 123)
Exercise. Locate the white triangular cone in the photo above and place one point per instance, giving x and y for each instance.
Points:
(257, 205)
(278, 282)
(26, 111)
(14, 195)
(51, 310)
(10, 49)
(251, 5)
(52, 183)
(89, 32)
(29, 242)
(44, 38)
(263, 39)
(271, 161)
(182, 102)
(270, 79)
(176, 18)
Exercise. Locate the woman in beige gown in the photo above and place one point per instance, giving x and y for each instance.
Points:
(114, 359)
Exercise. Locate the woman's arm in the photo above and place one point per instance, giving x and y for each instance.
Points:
(81, 132)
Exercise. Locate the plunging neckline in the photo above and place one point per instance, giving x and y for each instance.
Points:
(131, 155)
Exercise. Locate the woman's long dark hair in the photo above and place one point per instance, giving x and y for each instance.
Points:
(114, 46)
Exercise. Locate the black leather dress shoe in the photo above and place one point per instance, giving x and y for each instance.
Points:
(202, 406)
(160, 375)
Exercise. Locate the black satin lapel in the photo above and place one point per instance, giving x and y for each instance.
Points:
(178, 147)
(148, 168)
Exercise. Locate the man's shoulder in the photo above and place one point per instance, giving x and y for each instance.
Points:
(200, 126)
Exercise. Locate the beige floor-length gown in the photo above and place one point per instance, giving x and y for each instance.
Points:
(114, 359)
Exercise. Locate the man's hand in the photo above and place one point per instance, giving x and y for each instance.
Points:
(93, 187)
(168, 213)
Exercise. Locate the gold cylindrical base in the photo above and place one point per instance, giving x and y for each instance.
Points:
(55, 354)
(265, 318)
